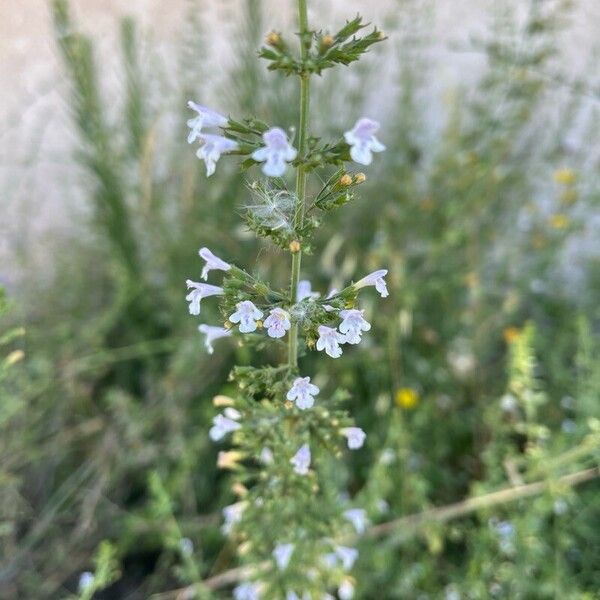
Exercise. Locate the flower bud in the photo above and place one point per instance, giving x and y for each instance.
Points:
(239, 489)
(294, 246)
(221, 400)
(273, 39)
(381, 35)
(360, 178)
(326, 42)
(229, 460)
(345, 180)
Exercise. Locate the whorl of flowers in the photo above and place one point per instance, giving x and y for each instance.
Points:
(281, 427)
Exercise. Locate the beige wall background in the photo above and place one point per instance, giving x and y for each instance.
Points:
(35, 143)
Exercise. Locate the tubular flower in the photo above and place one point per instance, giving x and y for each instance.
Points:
(199, 291)
(212, 148)
(247, 591)
(358, 518)
(277, 323)
(330, 340)
(355, 436)
(212, 333)
(275, 153)
(363, 142)
(206, 118)
(213, 263)
(304, 290)
(377, 279)
(246, 315)
(282, 555)
(353, 325)
(301, 460)
(303, 392)
(221, 427)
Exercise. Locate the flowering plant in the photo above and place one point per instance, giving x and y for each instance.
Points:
(281, 428)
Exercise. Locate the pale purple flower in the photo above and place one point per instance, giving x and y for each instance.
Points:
(303, 392)
(277, 323)
(186, 546)
(221, 427)
(347, 555)
(304, 290)
(206, 118)
(275, 153)
(246, 315)
(301, 460)
(213, 263)
(355, 436)
(353, 325)
(377, 279)
(330, 340)
(212, 148)
(282, 555)
(247, 591)
(363, 142)
(346, 590)
(232, 514)
(358, 518)
(212, 333)
(266, 456)
(86, 580)
(199, 291)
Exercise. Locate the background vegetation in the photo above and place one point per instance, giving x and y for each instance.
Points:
(482, 372)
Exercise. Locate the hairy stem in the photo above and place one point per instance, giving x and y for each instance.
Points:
(300, 178)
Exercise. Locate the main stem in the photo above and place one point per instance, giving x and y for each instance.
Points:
(300, 179)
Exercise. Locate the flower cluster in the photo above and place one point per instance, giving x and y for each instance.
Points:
(279, 423)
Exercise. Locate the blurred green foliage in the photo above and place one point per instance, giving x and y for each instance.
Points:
(483, 370)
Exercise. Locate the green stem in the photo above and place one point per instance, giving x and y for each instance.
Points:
(300, 178)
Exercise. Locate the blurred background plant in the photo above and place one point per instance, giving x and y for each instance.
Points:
(483, 371)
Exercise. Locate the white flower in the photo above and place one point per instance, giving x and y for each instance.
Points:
(86, 579)
(232, 514)
(304, 290)
(301, 460)
(282, 555)
(246, 315)
(266, 456)
(186, 546)
(363, 141)
(221, 427)
(212, 148)
(377, 279)
(303, 392)
(355, 436)
(277, 323)
(358, 518)
(275, 153)
(329, 340)
(353, 325)
(206, 118)
(247, 591)
(346, 590)
(213, 263)
(199, 291)
(212, 333)
(347, 555)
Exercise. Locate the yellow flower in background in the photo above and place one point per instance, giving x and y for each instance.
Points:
(511, 334)
(569, 196)
(565, 176)
(559, 221)
(407, 398)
